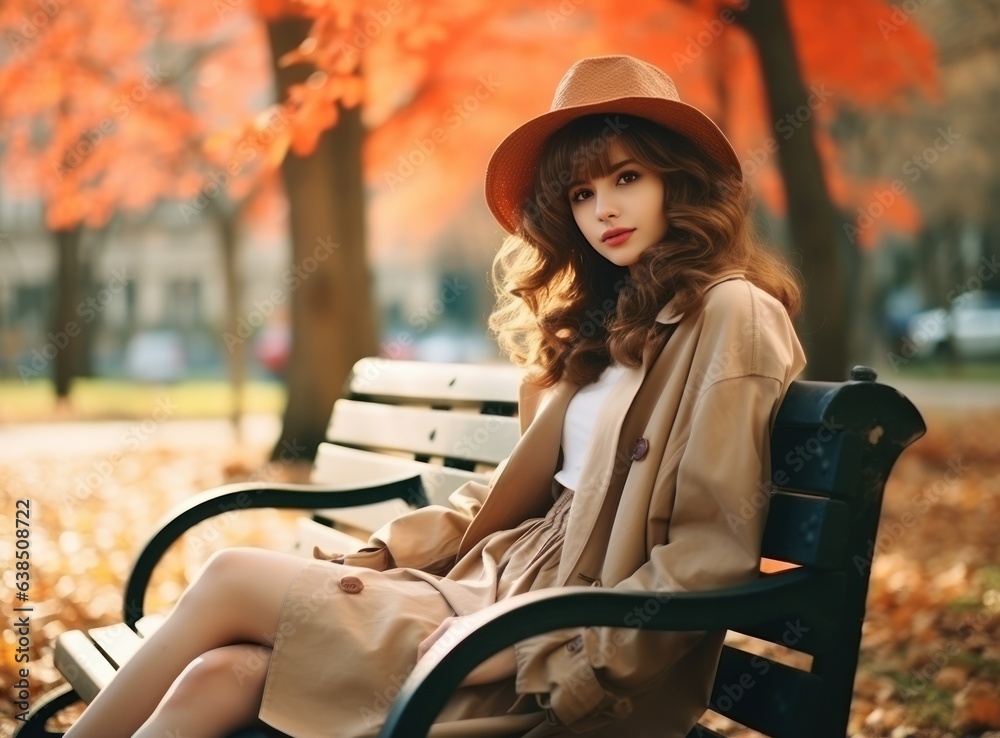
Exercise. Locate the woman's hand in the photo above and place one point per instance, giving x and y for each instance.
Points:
(426, 643)
(496, 667)
(336, 558)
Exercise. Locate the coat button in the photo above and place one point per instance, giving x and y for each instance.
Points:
(351, 585)
(575, 645)
(639, 449)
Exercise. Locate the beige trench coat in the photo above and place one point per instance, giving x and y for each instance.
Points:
(675, 519)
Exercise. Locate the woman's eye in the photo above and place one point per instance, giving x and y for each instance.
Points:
(628, 176)
(579, 196)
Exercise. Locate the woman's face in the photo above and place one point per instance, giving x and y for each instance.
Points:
(621, 214)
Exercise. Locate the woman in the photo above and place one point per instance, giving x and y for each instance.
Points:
(659, 338)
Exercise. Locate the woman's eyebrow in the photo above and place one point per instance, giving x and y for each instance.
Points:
(614, 168)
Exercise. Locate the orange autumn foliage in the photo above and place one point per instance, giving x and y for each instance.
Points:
(110, 108)
(411, 93)
(440, 84)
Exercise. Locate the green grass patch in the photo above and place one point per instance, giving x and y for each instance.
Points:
(976, 664)
(106, 399)
(965, 604)
(924, 703)
(989, 584)
(990, 574)
(972, 371)
(934, 707)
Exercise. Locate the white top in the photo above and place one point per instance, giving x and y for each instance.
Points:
(578, 427)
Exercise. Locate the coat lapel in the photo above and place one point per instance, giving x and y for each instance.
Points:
(523, 489)
(610, 455)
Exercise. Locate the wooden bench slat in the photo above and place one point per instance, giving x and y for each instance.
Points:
(364, 518)
(805, 530)
(149, 624)
(435, 383)
(700, 731)
(852, 406)
(806, 634)
(311, 533)
(468, 436)
(813, 627)
(344, 465)
(82, 664)
(90, 659)
(815, 460)
(341, 465)
(765, 695)
(118, 641)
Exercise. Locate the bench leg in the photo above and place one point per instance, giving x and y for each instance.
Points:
(52, 702)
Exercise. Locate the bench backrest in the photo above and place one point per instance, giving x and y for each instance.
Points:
(832, 448)
(447, 422)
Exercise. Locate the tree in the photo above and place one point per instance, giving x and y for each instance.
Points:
(332, 314)
(817, 228)
(102, 111)
(72, 104)
(813, 218)
(333, 322)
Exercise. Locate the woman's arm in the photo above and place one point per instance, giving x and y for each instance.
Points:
(427, 538)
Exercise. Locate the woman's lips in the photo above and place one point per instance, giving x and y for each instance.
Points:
(619, 239)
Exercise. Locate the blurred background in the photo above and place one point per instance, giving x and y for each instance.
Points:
(209, 211)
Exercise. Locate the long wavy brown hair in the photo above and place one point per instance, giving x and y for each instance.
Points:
(563, 310)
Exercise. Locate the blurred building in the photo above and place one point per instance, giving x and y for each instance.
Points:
(154, 275)
(152, 299)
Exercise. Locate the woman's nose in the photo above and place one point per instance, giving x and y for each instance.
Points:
(606, 206)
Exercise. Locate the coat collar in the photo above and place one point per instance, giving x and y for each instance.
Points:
(670, 314)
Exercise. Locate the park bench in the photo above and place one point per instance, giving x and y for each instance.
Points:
(407, 433)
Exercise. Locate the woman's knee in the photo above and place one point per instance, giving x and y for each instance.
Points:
(222, 675)
(228, 562)
(223, 575)
(244, 588)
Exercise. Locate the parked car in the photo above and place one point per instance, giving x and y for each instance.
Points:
(973, 323)
(155, 356)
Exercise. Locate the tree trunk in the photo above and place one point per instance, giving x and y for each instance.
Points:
(813, 221)
(66, 322)
(234, 345)
(865, 321)
(333, 322)
(90, 283)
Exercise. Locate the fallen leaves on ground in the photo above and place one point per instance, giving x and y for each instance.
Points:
(930, 658)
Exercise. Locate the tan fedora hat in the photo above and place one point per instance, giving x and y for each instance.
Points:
(598, 84)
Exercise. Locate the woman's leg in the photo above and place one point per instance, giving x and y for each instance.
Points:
(218, 692)
(236, 598)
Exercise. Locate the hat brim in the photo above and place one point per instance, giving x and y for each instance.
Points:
(511, 169)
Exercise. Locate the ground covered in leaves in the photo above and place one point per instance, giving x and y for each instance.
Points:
(930, 660)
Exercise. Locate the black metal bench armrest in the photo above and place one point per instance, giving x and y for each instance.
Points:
(247, 496)
(438, 674)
